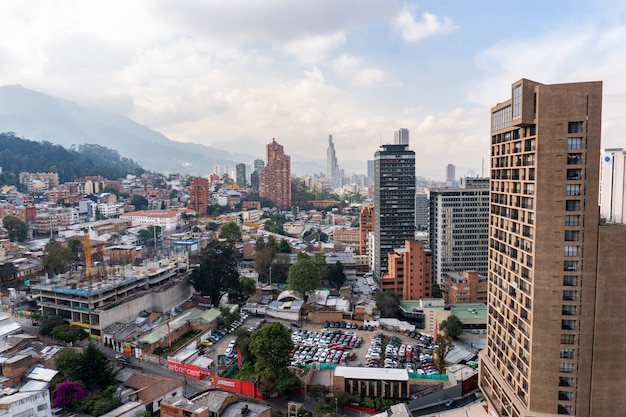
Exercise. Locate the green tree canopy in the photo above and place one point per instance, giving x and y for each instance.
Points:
(17, 229)
(270, 346)
(387, 303)
(217, 272)
(284, 246)
(231, 233)
(7, 272)
(442, 348)
(56, 257)
(336, 276)
(148, 235)
(452, 326)
(112, 190)
(304, 277)
(91, 367)
(140, 202)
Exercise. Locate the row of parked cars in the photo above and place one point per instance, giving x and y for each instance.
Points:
(325, 346)
(398, 355)
(218, 335)
(346, 325)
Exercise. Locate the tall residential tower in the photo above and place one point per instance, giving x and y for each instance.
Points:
(332, 168)
(394, 202)
(551, 348)
(275, 178)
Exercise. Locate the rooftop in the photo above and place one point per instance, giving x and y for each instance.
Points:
(386, 374)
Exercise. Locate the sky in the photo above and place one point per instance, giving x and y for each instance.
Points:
(235, 74)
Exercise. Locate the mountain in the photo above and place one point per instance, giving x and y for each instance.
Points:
(41, 117)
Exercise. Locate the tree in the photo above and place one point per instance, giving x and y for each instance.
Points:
(452, 326)
(67, 393)
(94, 370)
(76, 247)
(280, 268)
(112, 190)
(304, 277)
(436, 291)
(49, 323)
(319, 259)
(284, 247)
(140, 202)
(231, 233)
(443, 347)
(217, 271)
(67, 362)
(270, 346)
(7, 272)
(336, 276)
(18, 230)
(148, 235)
(56, 257)
(387, 303)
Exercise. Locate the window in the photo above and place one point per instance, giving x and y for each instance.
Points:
(569, 295)
(572, 220)
(568, 324)
(575, 127)
(567, 353)
(565, 381)
(567, 339)
(501, 119)
(572, 205)
(570, 265)
(573, 158)
(573, 174)
(568, 310)
(571, 235)
(572, 189)
(574, 143)
(565, 410)
(566, 367)
(565, 395)
(569, 280)
(570, 250)
(517, 101)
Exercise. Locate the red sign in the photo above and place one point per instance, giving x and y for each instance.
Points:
(187, 369)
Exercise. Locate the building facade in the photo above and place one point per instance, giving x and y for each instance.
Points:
(394, 202)
(459, 227)
(366, 226)
(421, 211)
(401, 136)
(275, 178)
(463, 288)
(199, 191)
(543, 256)
(240, 174)
(613, 185)
(409, 272)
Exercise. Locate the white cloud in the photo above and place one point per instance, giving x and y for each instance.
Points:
(357, 74)
(314, 49)
(415, 31)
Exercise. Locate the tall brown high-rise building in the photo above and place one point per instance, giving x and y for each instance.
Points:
(198, 195)
(275, 178)
(366, 225)
(550, 350)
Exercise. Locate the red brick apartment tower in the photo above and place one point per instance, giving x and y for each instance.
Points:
(275, 178)
(366, 225)
(198, 195)
(553, 275)
(409, 271)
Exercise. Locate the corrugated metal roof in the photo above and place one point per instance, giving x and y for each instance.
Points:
(386, 374)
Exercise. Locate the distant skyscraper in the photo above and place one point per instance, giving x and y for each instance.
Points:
(401, 136)
(450, 173)
(366, 226)
(254, 180)
(421, 211)
(613, 185)
(198, 195)
(275, 178)
(258, 165)
(240, 170)
(332, 168)
(371, 171)
(394, 202)
(459, 227)
(555, 335)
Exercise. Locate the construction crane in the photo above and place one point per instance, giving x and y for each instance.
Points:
(87, 252)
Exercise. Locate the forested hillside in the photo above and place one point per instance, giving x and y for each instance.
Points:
(17, 155)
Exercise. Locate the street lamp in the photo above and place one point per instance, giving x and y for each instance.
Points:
(270, 276)
(336, 412)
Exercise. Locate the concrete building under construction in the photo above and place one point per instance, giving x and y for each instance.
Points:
(112, 294)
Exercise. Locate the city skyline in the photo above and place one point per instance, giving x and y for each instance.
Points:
(288, 70)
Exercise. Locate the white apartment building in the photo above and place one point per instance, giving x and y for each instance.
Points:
(612, 184)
